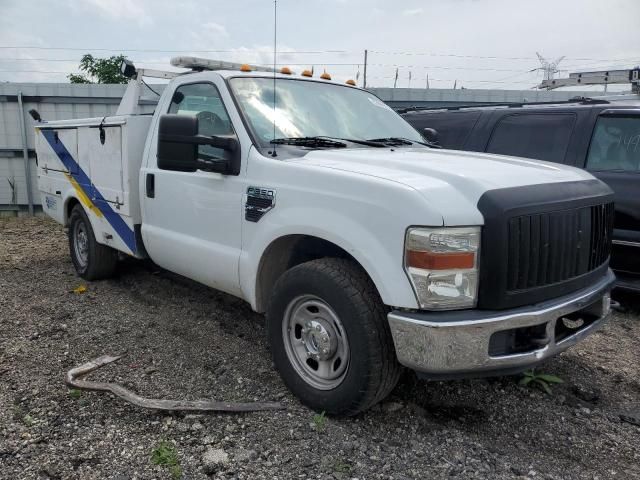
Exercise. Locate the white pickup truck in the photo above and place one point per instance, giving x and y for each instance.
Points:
(367, 249)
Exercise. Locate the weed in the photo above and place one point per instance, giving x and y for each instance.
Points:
(75, 393)
(320, 421)
(541, 380)
(342, 467)
(166, 455)
(28, 420)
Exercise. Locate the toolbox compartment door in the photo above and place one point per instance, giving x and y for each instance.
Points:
(105, 163)
(65, 140)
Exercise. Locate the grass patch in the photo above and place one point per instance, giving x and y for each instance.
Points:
(28, 420)
(75, 393)
(166, 455)
(320, 421)
(543, 381)
(342, 467)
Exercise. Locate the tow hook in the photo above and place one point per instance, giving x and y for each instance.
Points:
(74, 379)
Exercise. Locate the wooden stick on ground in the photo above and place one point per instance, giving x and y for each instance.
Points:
(74, 379)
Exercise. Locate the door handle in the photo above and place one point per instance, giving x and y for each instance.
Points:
(151, 185)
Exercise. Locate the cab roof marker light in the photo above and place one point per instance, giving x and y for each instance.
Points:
(307, 73)
(286, 71)
(325, 76)
(351, 82)
(245, 67)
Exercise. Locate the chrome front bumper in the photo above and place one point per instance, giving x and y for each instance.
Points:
(458, 343)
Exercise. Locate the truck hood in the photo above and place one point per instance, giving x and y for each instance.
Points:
(450, 180)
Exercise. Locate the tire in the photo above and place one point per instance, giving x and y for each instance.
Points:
(91, 260)
(333, 379)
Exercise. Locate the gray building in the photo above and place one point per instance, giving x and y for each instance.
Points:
(60, 101)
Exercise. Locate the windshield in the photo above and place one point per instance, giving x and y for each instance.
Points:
(312, 109)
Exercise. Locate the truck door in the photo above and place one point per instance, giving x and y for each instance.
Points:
(614, 157)
(192, 220)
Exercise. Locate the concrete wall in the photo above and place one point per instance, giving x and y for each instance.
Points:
(58, 101)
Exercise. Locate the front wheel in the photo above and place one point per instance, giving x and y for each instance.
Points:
(91, 260)
(330, 337)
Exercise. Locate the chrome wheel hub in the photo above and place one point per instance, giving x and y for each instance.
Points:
(315, 342)
(318, 339)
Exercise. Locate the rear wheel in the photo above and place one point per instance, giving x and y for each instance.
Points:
(330, 337)
(91, 260)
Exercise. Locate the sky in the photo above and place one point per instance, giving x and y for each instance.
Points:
(469, 43)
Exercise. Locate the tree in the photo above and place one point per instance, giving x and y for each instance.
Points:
(99, 70)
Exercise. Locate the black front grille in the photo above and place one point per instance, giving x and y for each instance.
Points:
(547, 248)
(541, 242)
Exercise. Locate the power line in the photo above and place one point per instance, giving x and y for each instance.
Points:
(394, 65)
(377, 77)
(487, 57)
(4, 47)
(309, 52)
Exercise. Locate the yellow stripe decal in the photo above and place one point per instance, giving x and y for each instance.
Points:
(84, 199)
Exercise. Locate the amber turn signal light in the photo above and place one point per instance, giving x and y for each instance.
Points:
(440, 261)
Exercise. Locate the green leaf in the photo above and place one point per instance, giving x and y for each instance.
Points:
(550, 378)
(525, 381)
(543, 385)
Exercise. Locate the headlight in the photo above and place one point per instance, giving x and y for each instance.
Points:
(442, 264)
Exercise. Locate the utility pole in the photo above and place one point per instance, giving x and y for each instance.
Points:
(364, 75)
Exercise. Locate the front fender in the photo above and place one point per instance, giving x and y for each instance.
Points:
(378, 248)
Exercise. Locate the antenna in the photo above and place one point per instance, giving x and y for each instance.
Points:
(275, 43)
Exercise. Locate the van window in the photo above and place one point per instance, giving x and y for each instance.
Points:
(615, 144)
(533, 135)
(453, 127)
(203, 101)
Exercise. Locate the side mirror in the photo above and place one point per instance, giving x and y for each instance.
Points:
(430, 135)
(178, 141)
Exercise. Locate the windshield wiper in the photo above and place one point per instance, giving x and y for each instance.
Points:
(368, 143)
(324, 141)
(394, 141)
(313, 142)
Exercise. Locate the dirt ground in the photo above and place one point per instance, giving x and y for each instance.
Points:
(182, 340)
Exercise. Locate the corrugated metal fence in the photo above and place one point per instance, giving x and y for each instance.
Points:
(56, 101)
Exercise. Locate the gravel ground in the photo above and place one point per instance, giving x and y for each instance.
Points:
(182, 340)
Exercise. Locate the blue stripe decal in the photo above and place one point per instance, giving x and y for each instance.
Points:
(115, 220)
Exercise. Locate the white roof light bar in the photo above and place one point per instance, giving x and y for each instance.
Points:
(196, 63)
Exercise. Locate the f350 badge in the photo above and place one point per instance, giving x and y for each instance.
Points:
(259, 201)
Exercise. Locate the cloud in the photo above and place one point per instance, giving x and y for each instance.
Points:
(129, 10)
(216, 29)
(413, 11)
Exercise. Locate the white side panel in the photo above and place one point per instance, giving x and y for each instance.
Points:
(105, 162)
(134, 134)
(48, 159)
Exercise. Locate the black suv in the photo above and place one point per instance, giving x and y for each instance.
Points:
(599, 135)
